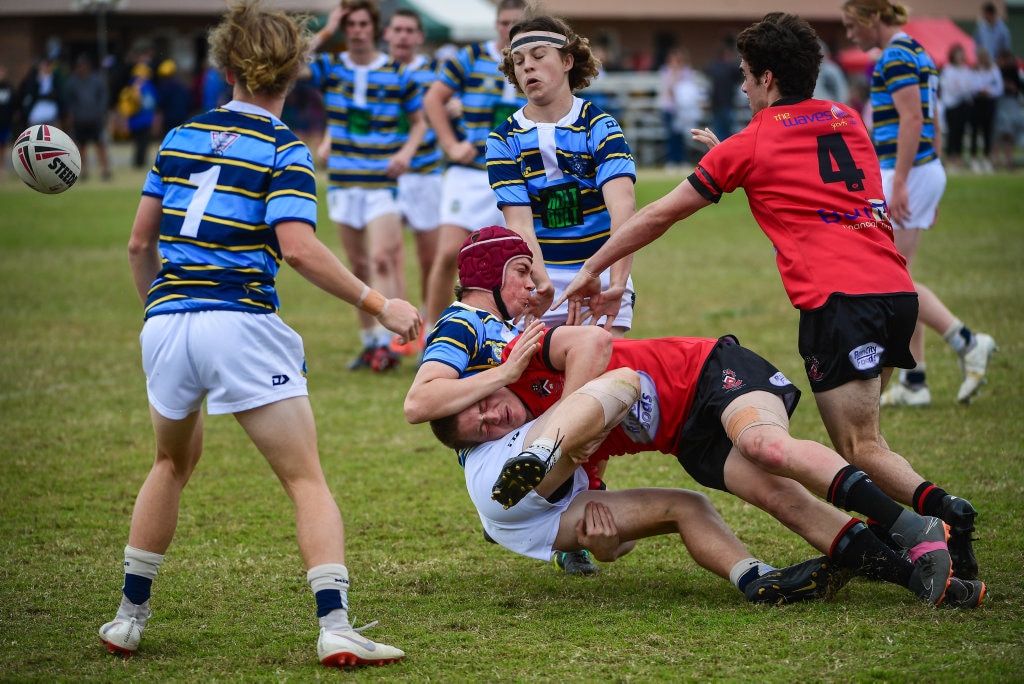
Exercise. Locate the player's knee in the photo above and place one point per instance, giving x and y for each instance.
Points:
(764, 445)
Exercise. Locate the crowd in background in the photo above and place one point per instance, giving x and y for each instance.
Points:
(140, 98)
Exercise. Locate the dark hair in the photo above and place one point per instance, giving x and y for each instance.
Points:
(585, 66)
(447, 432)
(406, 12)
(371, 8)
(511, 5)
(786, 45)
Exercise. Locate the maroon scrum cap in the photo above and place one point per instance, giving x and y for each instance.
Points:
(485, 254)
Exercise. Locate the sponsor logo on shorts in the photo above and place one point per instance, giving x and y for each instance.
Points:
(779, 380)
(867, 356)
(279, 380)
(730, 381)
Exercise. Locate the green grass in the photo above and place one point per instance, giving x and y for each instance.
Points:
(231, 602)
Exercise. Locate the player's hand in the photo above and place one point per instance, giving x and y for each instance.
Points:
(525, 348)
(462, 152)
(398, 164)
(401, 318)
(597, 532)
(604, 304)
(540, 300)
(899, 204)
(453, 108)
(582, 287)
(704, 135)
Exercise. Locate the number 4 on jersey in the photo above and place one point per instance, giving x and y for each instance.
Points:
(845, 170)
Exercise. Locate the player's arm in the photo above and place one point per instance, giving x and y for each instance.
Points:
(144, 244)
(401, 160)
(437, 391)
(643, 228)
(334, 20)
(907, 102)
(434, 102)
(620, 199)
(319, 265)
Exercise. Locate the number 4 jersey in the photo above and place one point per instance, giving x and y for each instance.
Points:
(812, 179)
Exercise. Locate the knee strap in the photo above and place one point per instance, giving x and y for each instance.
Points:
(615, 397)
(742, 419)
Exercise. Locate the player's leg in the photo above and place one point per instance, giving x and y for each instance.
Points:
(285, 433)
(640, 513)
(353, 242)
(179, 444)
(386, 255)
(441, 281)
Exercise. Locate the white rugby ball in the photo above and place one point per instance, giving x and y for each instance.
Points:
(47, 159)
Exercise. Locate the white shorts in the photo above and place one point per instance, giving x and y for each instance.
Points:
(561, 277)
(530, 527)
(356, 207)
(236, 360)
(419, 200)
(467, 200)
(925, 184)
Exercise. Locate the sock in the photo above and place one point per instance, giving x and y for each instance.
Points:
(853, 490)
(128, 610)
(329, 583)
(140, 569)
(747, 570)
(368, 338)
(915, 378)
(383, 336)
(928, 499)
(856, 547)
(958, 337)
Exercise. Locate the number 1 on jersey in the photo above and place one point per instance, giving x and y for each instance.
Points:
(205, 182)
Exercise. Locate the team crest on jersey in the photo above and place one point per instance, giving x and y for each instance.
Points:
(577, 166)
(730, 381)
(542, 388)
(220, 141)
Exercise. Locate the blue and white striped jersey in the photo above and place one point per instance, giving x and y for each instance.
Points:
(469, 340)
(488, 99)
(428, 155)
(558, 169)
(225, 179)
(364, 111)
(903, 63)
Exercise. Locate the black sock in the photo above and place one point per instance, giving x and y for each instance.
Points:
(857, 548)
(928, 499)
(853, 490)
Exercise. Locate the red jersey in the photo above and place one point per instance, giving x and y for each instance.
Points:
(669, 368)
(812, 179)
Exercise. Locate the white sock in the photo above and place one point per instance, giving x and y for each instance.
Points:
(744, 566)
(368, 338)
(954, 337)
(331, 577)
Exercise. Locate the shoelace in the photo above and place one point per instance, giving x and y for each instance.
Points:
(368, 625)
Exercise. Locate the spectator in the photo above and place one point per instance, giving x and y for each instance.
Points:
(1009, 122)
(956, 86)
(7, 104)
(670, 74)
(988, 86)
(41, 95)
(215, 90)
(831, 83)
(724, 81)
(173, 102)
(991, 32)
(87, 98)
(137, 104)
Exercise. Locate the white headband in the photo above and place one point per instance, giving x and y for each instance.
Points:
(547, 37)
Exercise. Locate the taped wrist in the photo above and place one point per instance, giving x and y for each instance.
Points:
(372, 302)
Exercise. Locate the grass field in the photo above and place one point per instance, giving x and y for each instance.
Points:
(231, 602)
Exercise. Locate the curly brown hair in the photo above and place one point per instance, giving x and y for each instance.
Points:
(585, 64)
(263, 48)
(889, 13)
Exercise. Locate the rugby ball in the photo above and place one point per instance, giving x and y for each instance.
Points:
(47, 159)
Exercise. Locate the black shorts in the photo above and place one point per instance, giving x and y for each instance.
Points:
(854, 338)
(88, 132)
(730, 371)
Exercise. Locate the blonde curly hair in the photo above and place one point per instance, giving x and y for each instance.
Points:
(263, 48)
